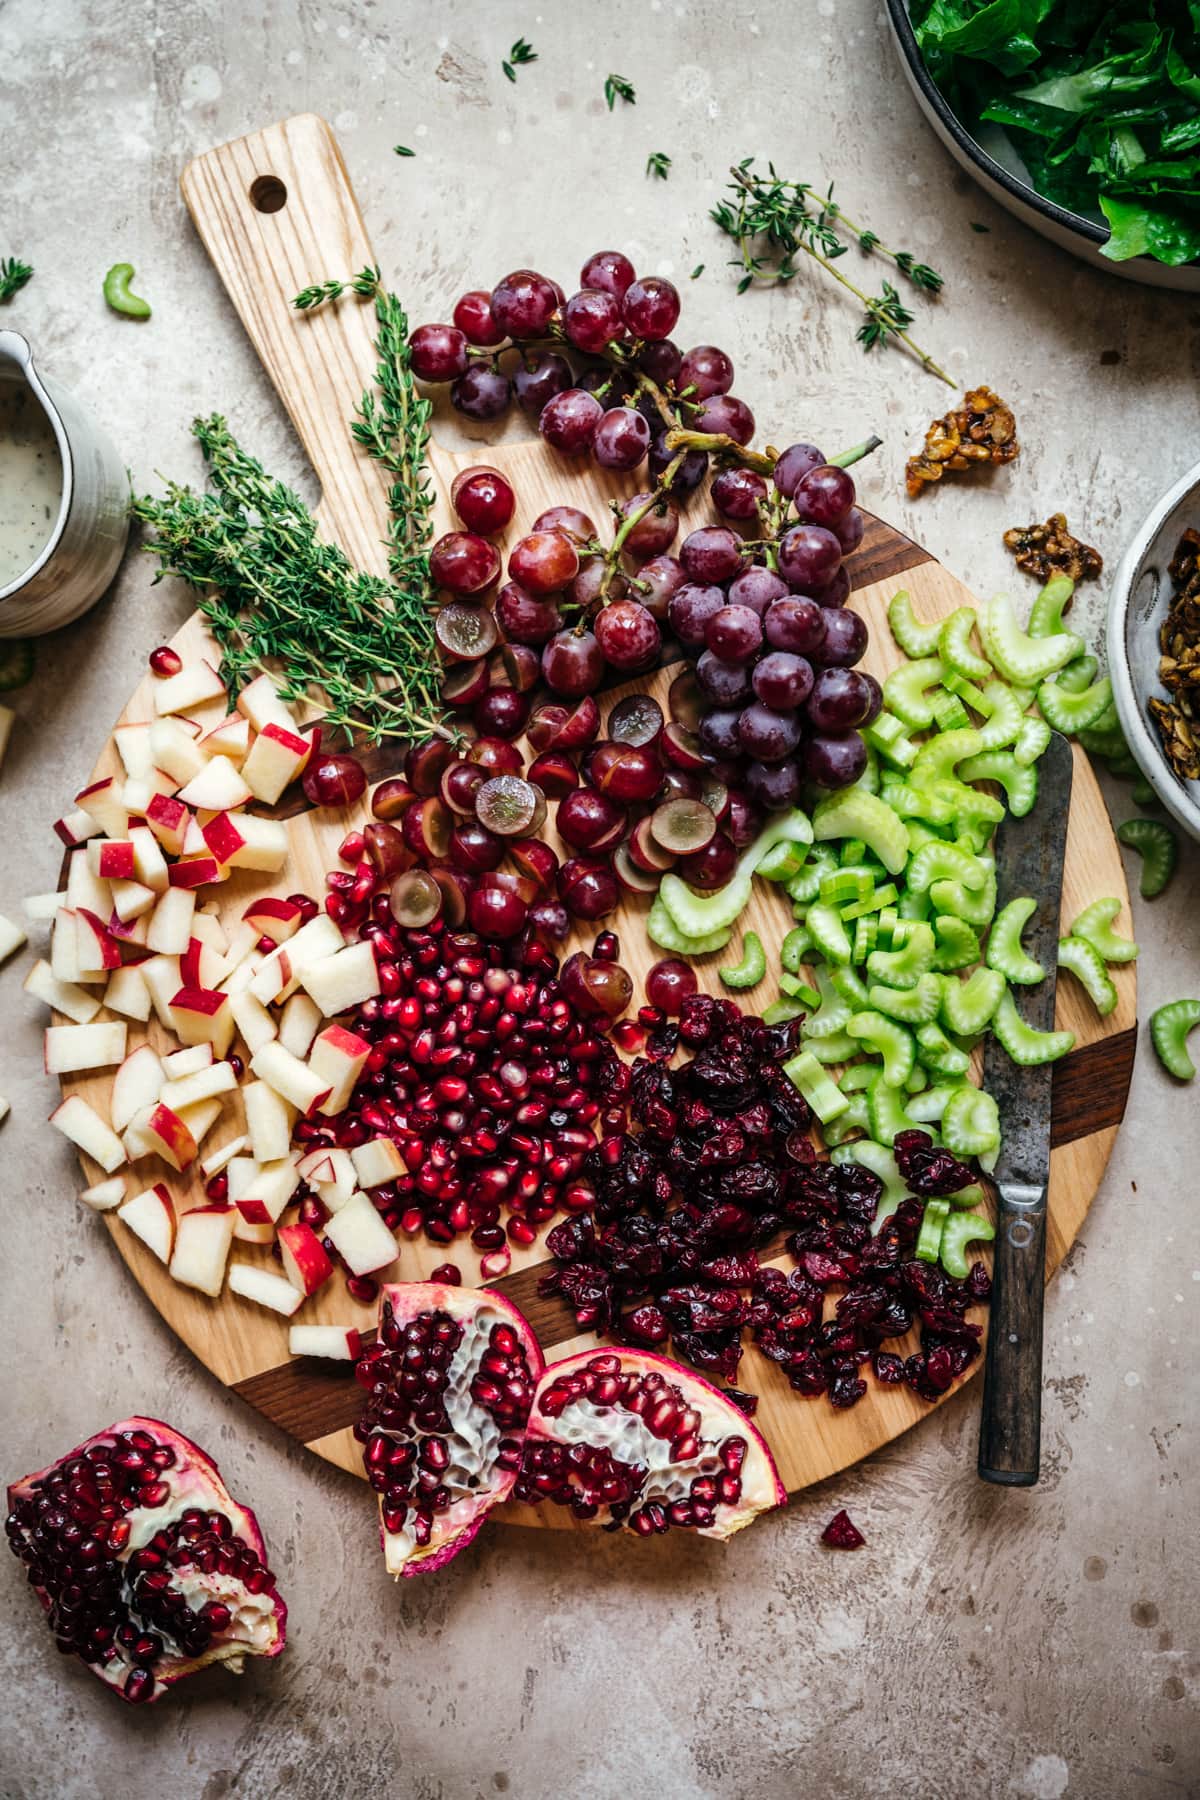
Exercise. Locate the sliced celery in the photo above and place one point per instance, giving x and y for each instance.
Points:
(938, 756)
(1004, 950)
(957, 943)
(929, 1238)
(913, 908)
(793, 988)
(806, 1074)
(945, 862)
(952, 897)
(1087, 966)
(847, 1123)
(903, 968)
(886, 1110)
(954, 646)
(850, 986)
(836, 1049)
(1031, 740)
(866, 933)
(1028, 1047)
(795, 948)
(959, 1230)
(874, 903)
(1046, 614)
(1169, 1028)
(753, 966)
(914, 638)
(846, 887)
(855, 813)
(1071, 713)
(1094, 926)
(927, 1108)
(1005, 716)
(1019, 657)
(782, 862)
(828, 933)
(892, 1041)
(781, 1011)
(949, 713)
(1155, 844)
(938, 1054)
(662, 930)
(904, 691)
(1078, 674)
(834, 1012)
(970, 1122)
(1020, 784)
(889, 736)
(879, 1159)
(911, 1006)
(807, 884)
(968, 1005)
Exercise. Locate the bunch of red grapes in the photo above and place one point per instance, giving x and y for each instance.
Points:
(774, 702)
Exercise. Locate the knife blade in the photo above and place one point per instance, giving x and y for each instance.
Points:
(1030, 853)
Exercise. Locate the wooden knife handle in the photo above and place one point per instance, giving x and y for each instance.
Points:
(1010, 1431)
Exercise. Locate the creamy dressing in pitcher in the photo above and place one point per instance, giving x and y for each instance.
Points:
(31, 480)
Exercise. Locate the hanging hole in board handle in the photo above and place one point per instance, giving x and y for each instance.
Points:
(268, 194)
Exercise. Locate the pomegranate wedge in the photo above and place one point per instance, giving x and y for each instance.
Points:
(626, 1438)
(147, 1566)
(449, 1386)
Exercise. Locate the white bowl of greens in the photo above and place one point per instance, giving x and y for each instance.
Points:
(1084, 121)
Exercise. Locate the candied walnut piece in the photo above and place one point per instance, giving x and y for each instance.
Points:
(981, 430)
(1178, 719)
(1050, 549)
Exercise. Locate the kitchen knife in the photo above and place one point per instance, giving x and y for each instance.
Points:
(1029, 861)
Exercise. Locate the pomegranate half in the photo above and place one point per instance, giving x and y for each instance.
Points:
(627, 1438)
(449, 1386)
(147, 1566)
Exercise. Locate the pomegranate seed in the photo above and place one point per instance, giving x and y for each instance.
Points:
(165, 661)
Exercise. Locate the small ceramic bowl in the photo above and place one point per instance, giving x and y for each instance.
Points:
(996, 166)
(1138, 603)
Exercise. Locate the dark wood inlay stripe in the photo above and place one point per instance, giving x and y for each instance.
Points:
(309, 1400)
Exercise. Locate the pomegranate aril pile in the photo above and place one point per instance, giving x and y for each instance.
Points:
(142, 1589)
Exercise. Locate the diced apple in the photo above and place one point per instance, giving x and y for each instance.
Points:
(201, 1116)
(87, 889)
(360, 1237)
(246, 841)
(241, 945)
(246, 1233)
(377, 1161)
(336, 1187)
(149, 861)
(218, 787)
(269, 1121)
(180, 1063)
(133, 747)
(216, 1160)
(242, 1170)
(277, 756)
(261, 703)
(102, 802)
(136, 1085)
(208, 928)
(11, 938)
(341, 1343)
(150, 1216)
(267, 1192)
(274, 978)
(342, 981)
(274, 918)
(171, 922)
(76, 827)
(43, 906)
(161, 975)
(134, 1137)
(200, 965)
(298, 1024)
(315, 941)
(254, 1023)
(64, 947)
(105, 1194)
(243, 975)
(265, 1289)
(131, 899)
(189, 1090)
(70, 1048)
(291, 1078)
(85, 1128)
(64, 996)
(195, 871)
(202, 1016)
(127, 993)
(167, 817)
(169, 1137)
(230, 738)
(195, 684)
(339, 1057)
(202, 1241)
(131, 932)
(305, 1262)
(95, 948)
(111, 859)
(175, 750)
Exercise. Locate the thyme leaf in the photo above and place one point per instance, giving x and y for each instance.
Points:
(13, 275)
(618, 87)
(520, 54)
(658, 163)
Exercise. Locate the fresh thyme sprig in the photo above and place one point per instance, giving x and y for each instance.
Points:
(520, 54)
(365, 284)
(618, 87)
(13, 275)
(277, 597)
(658, 163)
(773, 222)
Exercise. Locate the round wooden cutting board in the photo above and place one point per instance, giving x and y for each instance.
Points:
(276, 212)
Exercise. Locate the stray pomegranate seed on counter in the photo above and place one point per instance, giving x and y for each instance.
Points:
(842, 1533)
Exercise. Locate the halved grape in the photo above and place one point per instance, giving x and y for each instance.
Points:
(465, 633)
(466, 682)
(682, 747)
(415, 899)
(554, 772)
(646, 851)
(682, 826)
(627, 872)
(510, 806)
(460, 783)
(637, 720)
(712, 866)
(425, 827)
(456, 887)
(687, 700)
(590, 820)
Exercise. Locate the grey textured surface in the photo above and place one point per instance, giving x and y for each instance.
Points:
(1038, 1644)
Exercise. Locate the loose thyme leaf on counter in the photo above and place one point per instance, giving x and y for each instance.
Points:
(13, 275)
(403, 150)
(520, 54)
(618, 87)
(276, 596)
(658, 163)
(774, 222)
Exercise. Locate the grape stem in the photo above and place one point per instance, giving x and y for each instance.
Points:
(846, 459)
(721, 443)
(612, 556)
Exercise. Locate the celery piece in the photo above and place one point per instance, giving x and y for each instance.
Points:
(858, 1077)
(886, 1110)
(795, 948)
(782, 862)
(945, 862)
(846, 887)
(889, 736)
(1155, 844)
(780, 1011)
(929, 1238)
(853, 851)
(954, 645)
(949, 713)
(1031, 741)
(957, 944)
(970, 1121)
(1046, 613)
(1078, 674)
(1169, 1028)
(834, 1012)
(1027, 1047)
(1019, 657)
(914, 638)
(854, 813)
(968, 1005)
(853, 1119)
(1107, 741)
(962, 689)
(1021, 785)
(938, 756)
(880, 1160)
(1094, 926)
(753, 966)
(839, 1048)
(828, 933)
(904, 691)
(662, 930)
(1004, 950)
(1005, 716)
(866, 933)
(795, 989)
(1071, 713)
(938, 1054)
(927, 1107)
(806, 1074)
(892, 1041)
(904, 968)
(913, 908)
(698, 915)
(952, 897)
(1087, 966)
(807, 884)
(850, 986)
(959, 1230)
(874, 902)
(911, 1006)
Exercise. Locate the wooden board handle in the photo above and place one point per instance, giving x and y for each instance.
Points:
(277, 213)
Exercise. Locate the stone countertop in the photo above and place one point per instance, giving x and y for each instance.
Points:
(1040, 1643)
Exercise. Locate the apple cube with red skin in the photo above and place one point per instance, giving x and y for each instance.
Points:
(339, 1057)
(202, 1240)
(87, 889)
(201, 1116)
(149, 861)
(136, 1086)
(230, 738)
(194, 685)
(305, 1262)
(293, 1080)
(200, 965)
(260, 702)
(268, 1191)
(258, 1284)
(150, 1216)
(342, 1343)
(112, 859)
(96, 949)
(276, 758)
(202, 1016)
(130, 900)
(246, 841)
(175, 750)
(195, 871)
(274, 918)
(133, 747)
(333, 1177)
(76, 828)
(167, 1135)
(85, 1128)
(218, 787)
(102, 802)
(360, 1237)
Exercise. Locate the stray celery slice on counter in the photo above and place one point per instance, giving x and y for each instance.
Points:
(1155, 844)
(1169, 1028)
